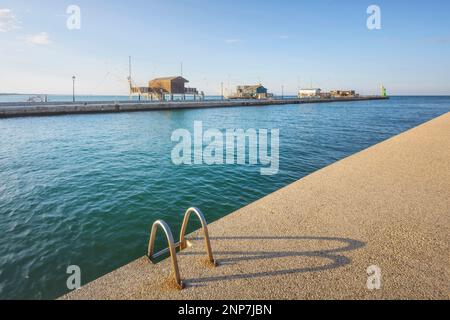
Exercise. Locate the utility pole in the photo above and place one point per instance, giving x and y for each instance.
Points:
(73, 88)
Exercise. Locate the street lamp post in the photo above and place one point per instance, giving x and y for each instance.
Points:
(73, 88)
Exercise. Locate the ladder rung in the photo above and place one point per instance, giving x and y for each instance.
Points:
(164, 252)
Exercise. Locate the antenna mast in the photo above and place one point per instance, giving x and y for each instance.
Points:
(129, 75)
(129, 67)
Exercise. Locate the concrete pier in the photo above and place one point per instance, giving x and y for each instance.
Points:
(10, 110)
(387, 206)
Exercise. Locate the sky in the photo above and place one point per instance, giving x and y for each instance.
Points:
(279, 43)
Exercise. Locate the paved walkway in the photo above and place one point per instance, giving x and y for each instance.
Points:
(387, 206)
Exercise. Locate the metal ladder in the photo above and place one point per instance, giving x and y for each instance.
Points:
(172, 249)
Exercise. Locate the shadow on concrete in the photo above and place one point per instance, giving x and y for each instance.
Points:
(337, 260)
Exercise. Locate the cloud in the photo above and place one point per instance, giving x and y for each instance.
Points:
(8, 21)
(231, 41)
(40, 39)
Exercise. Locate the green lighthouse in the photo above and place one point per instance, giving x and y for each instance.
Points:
(383, 91)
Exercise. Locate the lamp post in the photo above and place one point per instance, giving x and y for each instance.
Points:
(73, 88)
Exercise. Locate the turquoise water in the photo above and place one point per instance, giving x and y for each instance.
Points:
(84, 189)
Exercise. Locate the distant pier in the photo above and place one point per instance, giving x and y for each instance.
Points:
(22, 109)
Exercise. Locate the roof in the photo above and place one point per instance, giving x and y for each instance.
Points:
(170, 79)
(252, 86)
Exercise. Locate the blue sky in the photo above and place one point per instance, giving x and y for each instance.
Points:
(290, 43)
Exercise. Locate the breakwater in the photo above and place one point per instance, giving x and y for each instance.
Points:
(10, 110)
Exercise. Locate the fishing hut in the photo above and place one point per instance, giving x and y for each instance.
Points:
(166, 88)
(251, 92)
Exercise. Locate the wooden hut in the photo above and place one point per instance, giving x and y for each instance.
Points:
(169, 85)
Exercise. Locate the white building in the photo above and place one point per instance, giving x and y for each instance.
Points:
(309, 93)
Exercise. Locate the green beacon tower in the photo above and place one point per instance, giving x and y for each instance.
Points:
(383, 91)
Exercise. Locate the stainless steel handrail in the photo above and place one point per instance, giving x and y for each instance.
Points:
(183, 242)
(172, 249)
